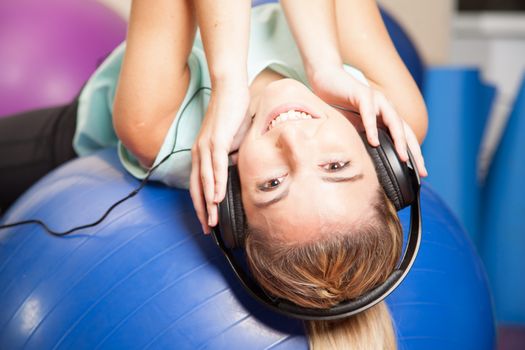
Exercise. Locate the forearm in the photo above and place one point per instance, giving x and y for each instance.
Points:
(225, 27)
(313, 26)
(367, 46)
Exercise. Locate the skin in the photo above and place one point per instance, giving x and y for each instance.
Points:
(353, 32)
(223, 24)
(321, 165)
(155, 76)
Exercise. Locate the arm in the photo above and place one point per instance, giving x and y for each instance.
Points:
(337, 36)
(365, 43)
(317, 41)
(154, 76)
(353, 32)
(224, 29)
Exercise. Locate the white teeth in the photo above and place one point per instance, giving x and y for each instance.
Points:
(290, 115)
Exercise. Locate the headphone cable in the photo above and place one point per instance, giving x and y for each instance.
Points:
(109, 210)
(122, 200)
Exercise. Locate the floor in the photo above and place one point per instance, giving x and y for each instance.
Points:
(511, 338)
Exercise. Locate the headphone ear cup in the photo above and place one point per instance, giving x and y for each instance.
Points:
(231, 212)
(396, 177)
(385, 179)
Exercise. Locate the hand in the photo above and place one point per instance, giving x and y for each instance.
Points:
(335, 86)
(222, 131)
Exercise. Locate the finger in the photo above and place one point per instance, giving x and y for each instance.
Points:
(197, 196)
(415, 149)
(369, 117)
(395, 126)
(213, 215)
(220, 172)
(207, 179)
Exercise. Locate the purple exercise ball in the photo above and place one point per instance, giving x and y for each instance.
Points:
(48, 49)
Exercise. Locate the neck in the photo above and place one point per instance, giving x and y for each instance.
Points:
(268, 76)
(264, 78)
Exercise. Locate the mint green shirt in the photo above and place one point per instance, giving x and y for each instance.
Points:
(271, 46)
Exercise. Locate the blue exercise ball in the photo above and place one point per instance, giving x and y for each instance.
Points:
(146, 277)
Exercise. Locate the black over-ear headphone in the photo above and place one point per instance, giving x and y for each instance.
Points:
(400, 182)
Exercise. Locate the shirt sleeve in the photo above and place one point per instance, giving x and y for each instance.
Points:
(94, 128)
(356, 73)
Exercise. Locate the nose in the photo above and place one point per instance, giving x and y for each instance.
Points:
(295, 142)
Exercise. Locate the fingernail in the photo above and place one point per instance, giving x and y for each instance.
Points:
(209, 220)
(216, 198)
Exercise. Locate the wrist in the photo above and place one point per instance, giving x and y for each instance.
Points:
(320, 72)
(230, 90)
(320, 65)
(229, 86)
(229, 77)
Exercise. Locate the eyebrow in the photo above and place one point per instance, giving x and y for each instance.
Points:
(334, 179)
(276, 199)
(352, 178)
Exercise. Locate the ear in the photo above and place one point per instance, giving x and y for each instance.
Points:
(351, 115)
(233, 157)
(356, 122)
(241, 133)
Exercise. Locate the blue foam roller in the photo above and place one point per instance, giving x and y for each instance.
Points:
(402, 41)
(458, 106)
(503, 211)
(146, 277)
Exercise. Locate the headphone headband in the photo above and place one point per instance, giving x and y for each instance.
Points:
(345, 308)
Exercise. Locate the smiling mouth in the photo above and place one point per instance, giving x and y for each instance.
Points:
(288, 116)
(288, 112)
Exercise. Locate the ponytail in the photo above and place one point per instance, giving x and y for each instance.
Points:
(369, 330)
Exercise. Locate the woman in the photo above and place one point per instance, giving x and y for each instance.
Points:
(350, 31)
(312, 200)
(310, 192)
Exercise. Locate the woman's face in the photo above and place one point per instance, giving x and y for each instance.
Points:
(302, 174)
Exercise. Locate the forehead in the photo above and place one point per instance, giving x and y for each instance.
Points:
(304, 214)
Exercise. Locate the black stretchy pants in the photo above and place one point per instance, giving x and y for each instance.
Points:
(31, 145)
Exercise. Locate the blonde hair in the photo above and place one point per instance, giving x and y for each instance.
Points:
(340, 266)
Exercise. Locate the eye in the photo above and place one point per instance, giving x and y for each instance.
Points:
(271, 184)
(335, 166)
